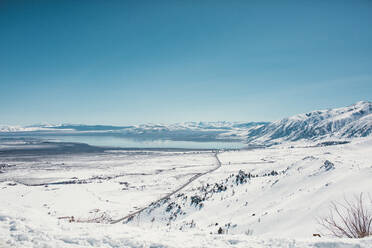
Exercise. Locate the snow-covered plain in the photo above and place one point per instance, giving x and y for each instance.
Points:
(289, 186)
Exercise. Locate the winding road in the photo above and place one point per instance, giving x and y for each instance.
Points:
(192, 179)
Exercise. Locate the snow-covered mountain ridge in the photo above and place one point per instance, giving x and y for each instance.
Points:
(347, 122)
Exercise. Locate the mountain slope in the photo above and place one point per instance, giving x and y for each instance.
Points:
(347, 122)
(280, 191)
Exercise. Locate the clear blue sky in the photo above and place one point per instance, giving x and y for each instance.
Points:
(126, 62)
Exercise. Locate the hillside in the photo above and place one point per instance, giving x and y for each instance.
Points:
(279, 191)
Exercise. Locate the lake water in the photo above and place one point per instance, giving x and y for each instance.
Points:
(133, 143)
(123, 142)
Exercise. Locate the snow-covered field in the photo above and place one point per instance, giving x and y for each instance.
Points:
(273, 202)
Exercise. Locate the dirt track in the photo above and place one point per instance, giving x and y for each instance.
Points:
(192, 179)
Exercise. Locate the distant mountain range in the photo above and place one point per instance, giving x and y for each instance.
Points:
(346, 122)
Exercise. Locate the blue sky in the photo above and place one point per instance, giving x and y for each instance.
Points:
(127, 62)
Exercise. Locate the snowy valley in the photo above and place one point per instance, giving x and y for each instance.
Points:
(271, 193)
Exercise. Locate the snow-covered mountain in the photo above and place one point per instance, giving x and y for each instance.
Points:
(339, 123)
(192, 126)
(347, 122)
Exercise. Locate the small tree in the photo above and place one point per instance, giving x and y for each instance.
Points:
(351, 219)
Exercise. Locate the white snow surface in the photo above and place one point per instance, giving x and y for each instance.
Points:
(268, 210)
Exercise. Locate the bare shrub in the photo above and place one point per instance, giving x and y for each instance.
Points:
(352, 219)
(96, 216)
